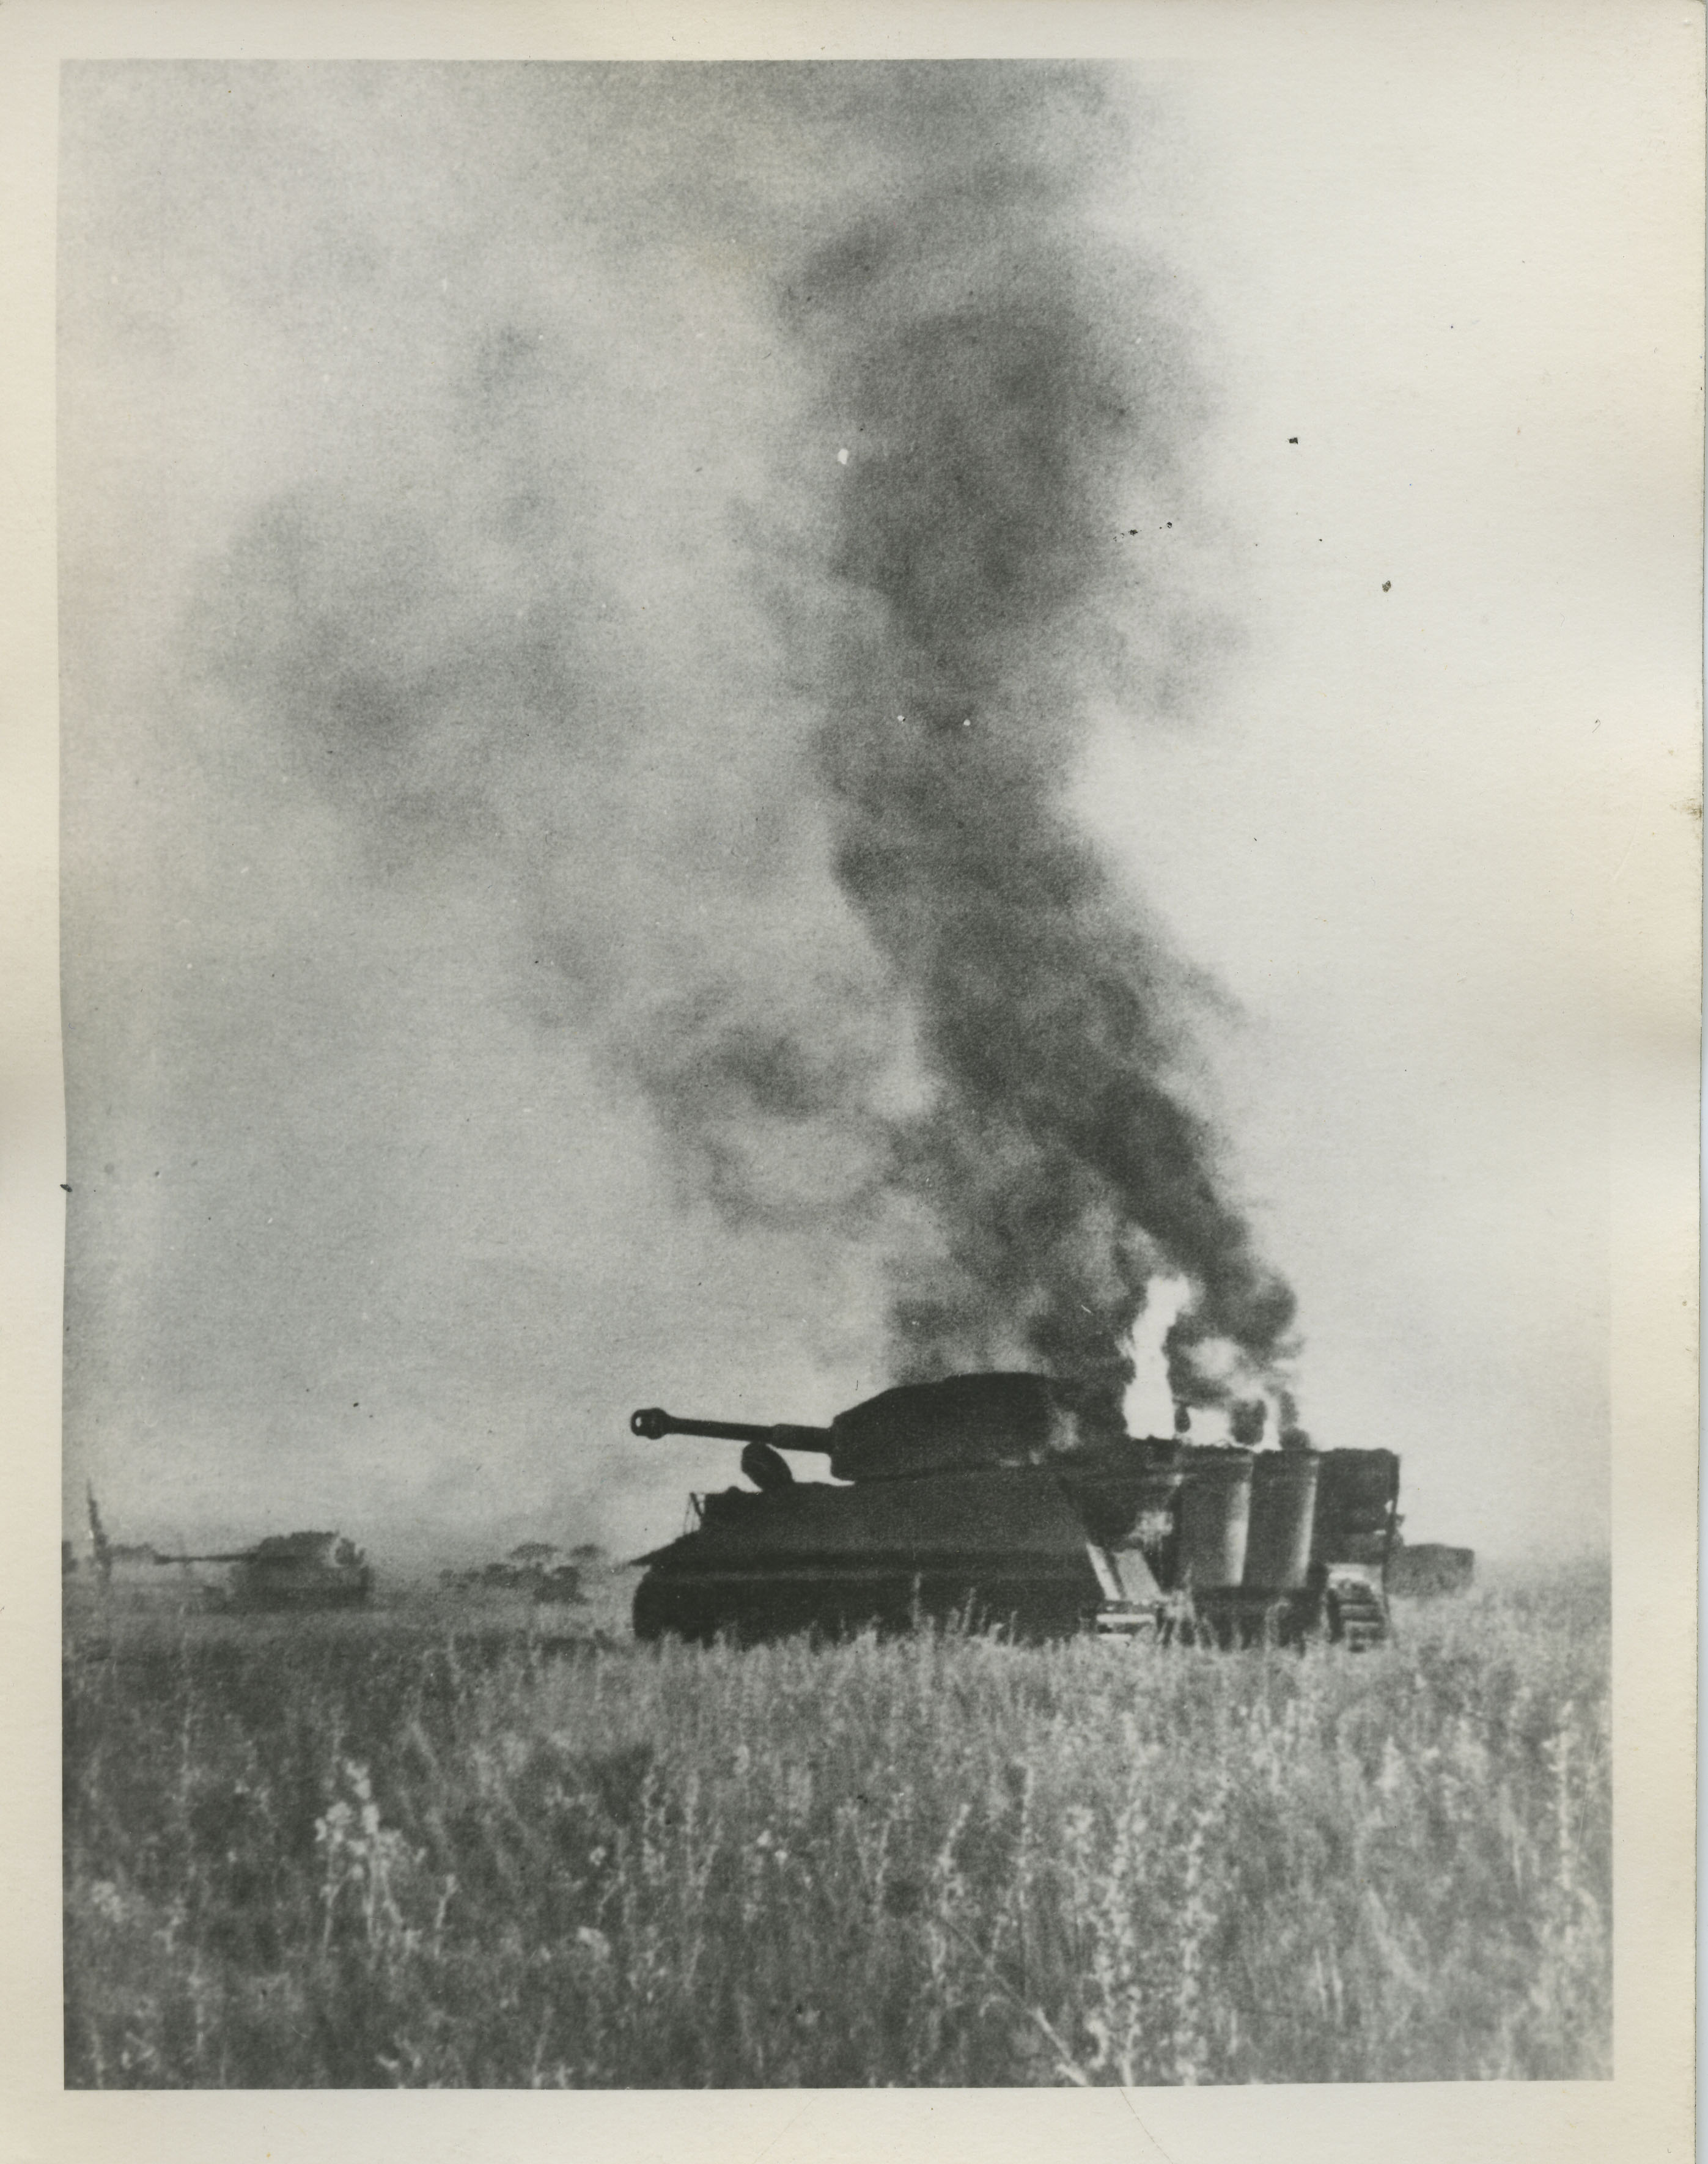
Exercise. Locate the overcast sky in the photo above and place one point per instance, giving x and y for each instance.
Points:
(450, 470)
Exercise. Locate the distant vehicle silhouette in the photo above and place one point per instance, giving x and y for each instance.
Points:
(291, 1571)
(1429, 1570)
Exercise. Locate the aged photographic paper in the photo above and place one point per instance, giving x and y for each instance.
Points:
(1003, 709)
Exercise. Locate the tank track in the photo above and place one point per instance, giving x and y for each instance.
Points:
(1350, 1612)
(1356, 1615)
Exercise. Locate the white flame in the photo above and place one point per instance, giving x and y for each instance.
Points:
(1148, 1407)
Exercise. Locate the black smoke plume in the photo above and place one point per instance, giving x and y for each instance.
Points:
(822, 901)
(1016, 406)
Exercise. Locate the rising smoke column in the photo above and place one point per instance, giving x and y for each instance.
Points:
(526, 652)
(1009, 392)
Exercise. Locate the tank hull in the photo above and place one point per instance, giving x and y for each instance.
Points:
(840, 1601)
(256, 1592)
(998, 1549)
(1031, 1552)
(291, 1573)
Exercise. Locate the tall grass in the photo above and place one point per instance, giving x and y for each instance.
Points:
(370, 1860)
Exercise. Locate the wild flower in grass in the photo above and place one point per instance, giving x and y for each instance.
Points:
(1191, 2038)
(107, 1901)
(1119, 2020)
(1393, 1778)
(943, 1910)
(980, 1864)
(363, 1865)
(1572, 1975)
(1327, 1988)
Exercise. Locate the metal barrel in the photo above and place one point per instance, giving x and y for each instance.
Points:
(654, 1423)
(1215, 1517)
(1282, 1512)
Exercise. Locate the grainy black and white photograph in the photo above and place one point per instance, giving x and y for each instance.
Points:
(834, 928)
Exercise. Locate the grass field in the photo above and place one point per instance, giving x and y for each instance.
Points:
(385, 1854)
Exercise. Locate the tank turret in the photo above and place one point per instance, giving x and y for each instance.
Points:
(960, 1422)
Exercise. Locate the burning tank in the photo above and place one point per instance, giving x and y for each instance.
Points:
(291, 1571)
(983, 1497)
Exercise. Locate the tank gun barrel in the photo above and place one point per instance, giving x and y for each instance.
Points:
(654, 1423)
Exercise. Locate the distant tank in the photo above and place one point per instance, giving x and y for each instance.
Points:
(1429, 1570)
(982, 1497)
(291, 1571)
